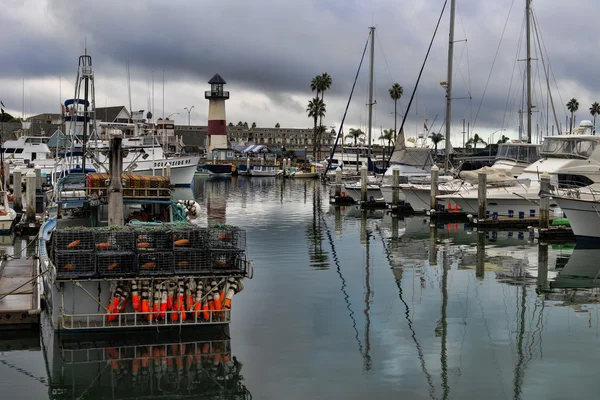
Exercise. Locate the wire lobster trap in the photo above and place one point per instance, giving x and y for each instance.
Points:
(191, 261)
(228, 262)
(73, 239)
(74, 264)
(114, 240)
(229, 238)
(153, 240)
(155, 263)
(190, 238)
(116, 263)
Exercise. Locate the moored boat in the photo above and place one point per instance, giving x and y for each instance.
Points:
(264, 170)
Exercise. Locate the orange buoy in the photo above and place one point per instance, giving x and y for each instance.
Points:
(156, 302)
(181, 300)
(135, 297)
(198, 305)
(232, 288)
(205, 309)
(216, 295)
(103, 246)
(114, 303)
(181, 242)
(163, 301)
(190, 287)
(73, 244)
(146, 300)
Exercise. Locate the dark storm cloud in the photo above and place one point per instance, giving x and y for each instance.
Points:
(275, 48)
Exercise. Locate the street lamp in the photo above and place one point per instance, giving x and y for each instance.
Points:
(189, 110)
(175, 113)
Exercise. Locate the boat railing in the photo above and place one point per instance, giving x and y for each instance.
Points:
(132, 320)
(577, 192)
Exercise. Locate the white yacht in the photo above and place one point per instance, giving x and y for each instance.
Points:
(27, 151)
(582, 208)
(511, 159)
(570, 160)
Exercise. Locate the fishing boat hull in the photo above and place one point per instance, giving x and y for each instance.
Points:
(218, 169)
(503, 201)
(304, 175)
(182, 170)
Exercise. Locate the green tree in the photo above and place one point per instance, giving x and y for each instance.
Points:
(595, 110)
(503, 139)
(245, 124)
(572, 106)
(396, 91)
(254, 125)
(316, 109)
(277, 125)
(436, 138)
(476, 139)
(230, 124)
(355, 134)
(240, 123)
(388, 135)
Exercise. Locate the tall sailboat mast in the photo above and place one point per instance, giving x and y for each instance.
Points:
(528, 33)
(371, 66)
(449, 84)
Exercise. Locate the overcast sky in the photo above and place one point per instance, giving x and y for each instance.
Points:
(269, 50)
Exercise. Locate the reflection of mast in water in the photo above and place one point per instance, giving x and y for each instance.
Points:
(318, 257)
(444, 326)
(398, 278)
(520, 368)
(363, 228)
(343, 288)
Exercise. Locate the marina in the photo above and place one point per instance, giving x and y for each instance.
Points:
(416, 222)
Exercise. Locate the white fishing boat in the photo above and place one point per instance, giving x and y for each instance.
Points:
(264, 170)
(304, 175)
(354, 190)
(7, 214)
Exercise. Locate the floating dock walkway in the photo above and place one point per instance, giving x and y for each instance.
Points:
(19, 294)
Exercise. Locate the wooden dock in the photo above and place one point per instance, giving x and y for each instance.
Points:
(19, 295)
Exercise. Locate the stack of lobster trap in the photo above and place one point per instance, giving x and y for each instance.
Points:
(148, 251)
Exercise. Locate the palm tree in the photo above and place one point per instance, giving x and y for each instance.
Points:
(503, 139)
(396, 92)
(277, 125)
(436, 138)
(595, 110)
(316, 109)
(572, 106)
(476, 139)
(388, 135)
(323, 84)
(356, 134)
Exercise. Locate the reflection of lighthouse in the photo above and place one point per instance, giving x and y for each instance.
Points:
(217, 127)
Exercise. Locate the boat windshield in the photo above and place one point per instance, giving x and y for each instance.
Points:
(517, 152)
(568, 148)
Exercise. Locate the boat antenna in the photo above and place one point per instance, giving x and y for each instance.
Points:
(412, 96)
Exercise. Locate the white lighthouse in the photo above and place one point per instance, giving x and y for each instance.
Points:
(217, 126)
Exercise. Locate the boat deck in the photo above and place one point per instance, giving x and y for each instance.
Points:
(19, 296)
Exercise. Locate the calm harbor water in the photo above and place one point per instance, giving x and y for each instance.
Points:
(349, 304)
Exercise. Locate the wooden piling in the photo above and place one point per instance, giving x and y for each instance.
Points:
(363, 184)
(338, 182)
(435, 172)
(30, 193)
(481, 195)
(544, 201)
(480, 263)
(38, 178)
(17, 190)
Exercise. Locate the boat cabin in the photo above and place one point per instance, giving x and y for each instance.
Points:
(526, 153)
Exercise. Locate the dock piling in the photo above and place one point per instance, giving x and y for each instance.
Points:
(435, 172)
(30, 194)
(38, 178)
(363, 183)
(544, 201)
(395, 183)
(482, 195)
(480, 264)
(338, 182)
(17, 190)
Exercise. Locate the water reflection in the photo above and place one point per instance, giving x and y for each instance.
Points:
(186, 364)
